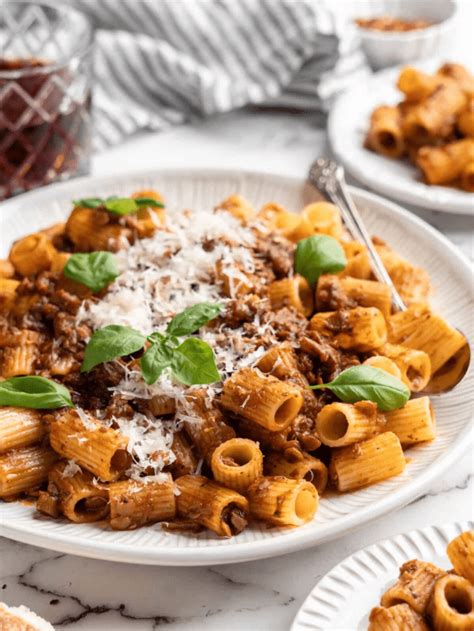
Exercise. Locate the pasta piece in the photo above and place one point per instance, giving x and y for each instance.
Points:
(137, 503)
(292, 292)
(280, 361)
(414, 586)
(358, 262)
(239, 207)
(19, 360)
(277, 218)
(397, 618)
(412, 282)
(461, 554)
(59, 261)
(461, 76)
(234, 281)
(205, 426)
(340, 424)
(185, 462)
(366, 463)
(385, 132)
(32, 254)
(209, 504)
(361, 329)
(319, 218)
(6, 269)
(452, 605)
(19, 427)
(283, 502)
(24, 469)
(237, 463)
(414, 423)
(441, 165)
(162, 405)
(384, 363)
(99, 449)
(8, 288)
(90, 230)
(417, 85)
(78, 497)
(261, 398)
(60, 366)
(333, 293)
(414, 365)
(419, 328)
(308, 468)
(467, 177)
(269, 440)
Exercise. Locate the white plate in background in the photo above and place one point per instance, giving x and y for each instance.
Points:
(343, 598)
(337, 515)
(400, 179)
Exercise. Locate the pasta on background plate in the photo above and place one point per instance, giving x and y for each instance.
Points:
(207, 370)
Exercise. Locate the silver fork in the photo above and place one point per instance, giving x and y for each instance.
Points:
(328, 178)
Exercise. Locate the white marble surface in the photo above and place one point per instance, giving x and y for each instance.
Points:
(93, 595)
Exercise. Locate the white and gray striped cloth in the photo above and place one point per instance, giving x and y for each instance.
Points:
(164, 62)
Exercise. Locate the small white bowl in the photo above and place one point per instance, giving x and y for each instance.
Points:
(388, 48)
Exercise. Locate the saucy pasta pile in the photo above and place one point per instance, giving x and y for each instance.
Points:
(427, 597)
(208, 369)
(433, 125)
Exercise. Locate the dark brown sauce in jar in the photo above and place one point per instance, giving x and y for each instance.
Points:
(44, 125)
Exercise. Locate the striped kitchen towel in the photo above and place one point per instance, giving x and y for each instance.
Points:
(164, 62)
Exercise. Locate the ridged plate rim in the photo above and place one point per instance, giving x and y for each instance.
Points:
(20, 524)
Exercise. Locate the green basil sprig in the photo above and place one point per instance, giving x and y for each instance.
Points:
(94, 270)
(118, 205)
(191, 362)
(318, 255)
(34, 392)
(365, 383)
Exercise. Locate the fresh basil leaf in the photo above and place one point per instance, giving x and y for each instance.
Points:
(148, 201)
(34, 392)
(121, 205)
(365, 383)
(94, 270)
(109, 343)
(194, 363)
(155, 359)
(191, 319)
(89, 202)
(318, 255)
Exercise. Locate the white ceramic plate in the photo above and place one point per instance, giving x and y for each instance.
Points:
(343, 598)
(337, 515)
(347, 128)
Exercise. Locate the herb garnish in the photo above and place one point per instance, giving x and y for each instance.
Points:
(318, 255)
(118, 205)
(34, 392)
(95, 270)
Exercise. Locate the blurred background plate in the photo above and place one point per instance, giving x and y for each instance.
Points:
(344, 597)
(347, 127)
(337, 515)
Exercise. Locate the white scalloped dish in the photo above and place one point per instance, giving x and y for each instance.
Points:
(344, 597)
(337, 515)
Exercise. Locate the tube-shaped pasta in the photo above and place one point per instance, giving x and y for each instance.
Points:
(417, 85)
(262, 398)
(358, 262)
(283, 502)
(277, 218)
(420, 328)
(186, 462)
(461, 554)
(19, 360)
(101, 450)
(237, 463)
(136, 503)
(414, 365)
(397, 618)
(59, 261)
(6, 269)
(441, 165)
(467, 177)
(367, 462)
(452, 604)
(205, 425)
(239, 207)
(340, 424)
(89, 229)
(24, 469)
(333, 293)
(162, 405)
(308, 468)
(412, 282)
(319, 218)
(414, 586)
(385, 132)
(384, 363)
(32, 254)
(292, 292)
(280, 361)
(362, 328)
(19, 427)
(460, 74)
(414, 423)
(209, 504)
(78, 497)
